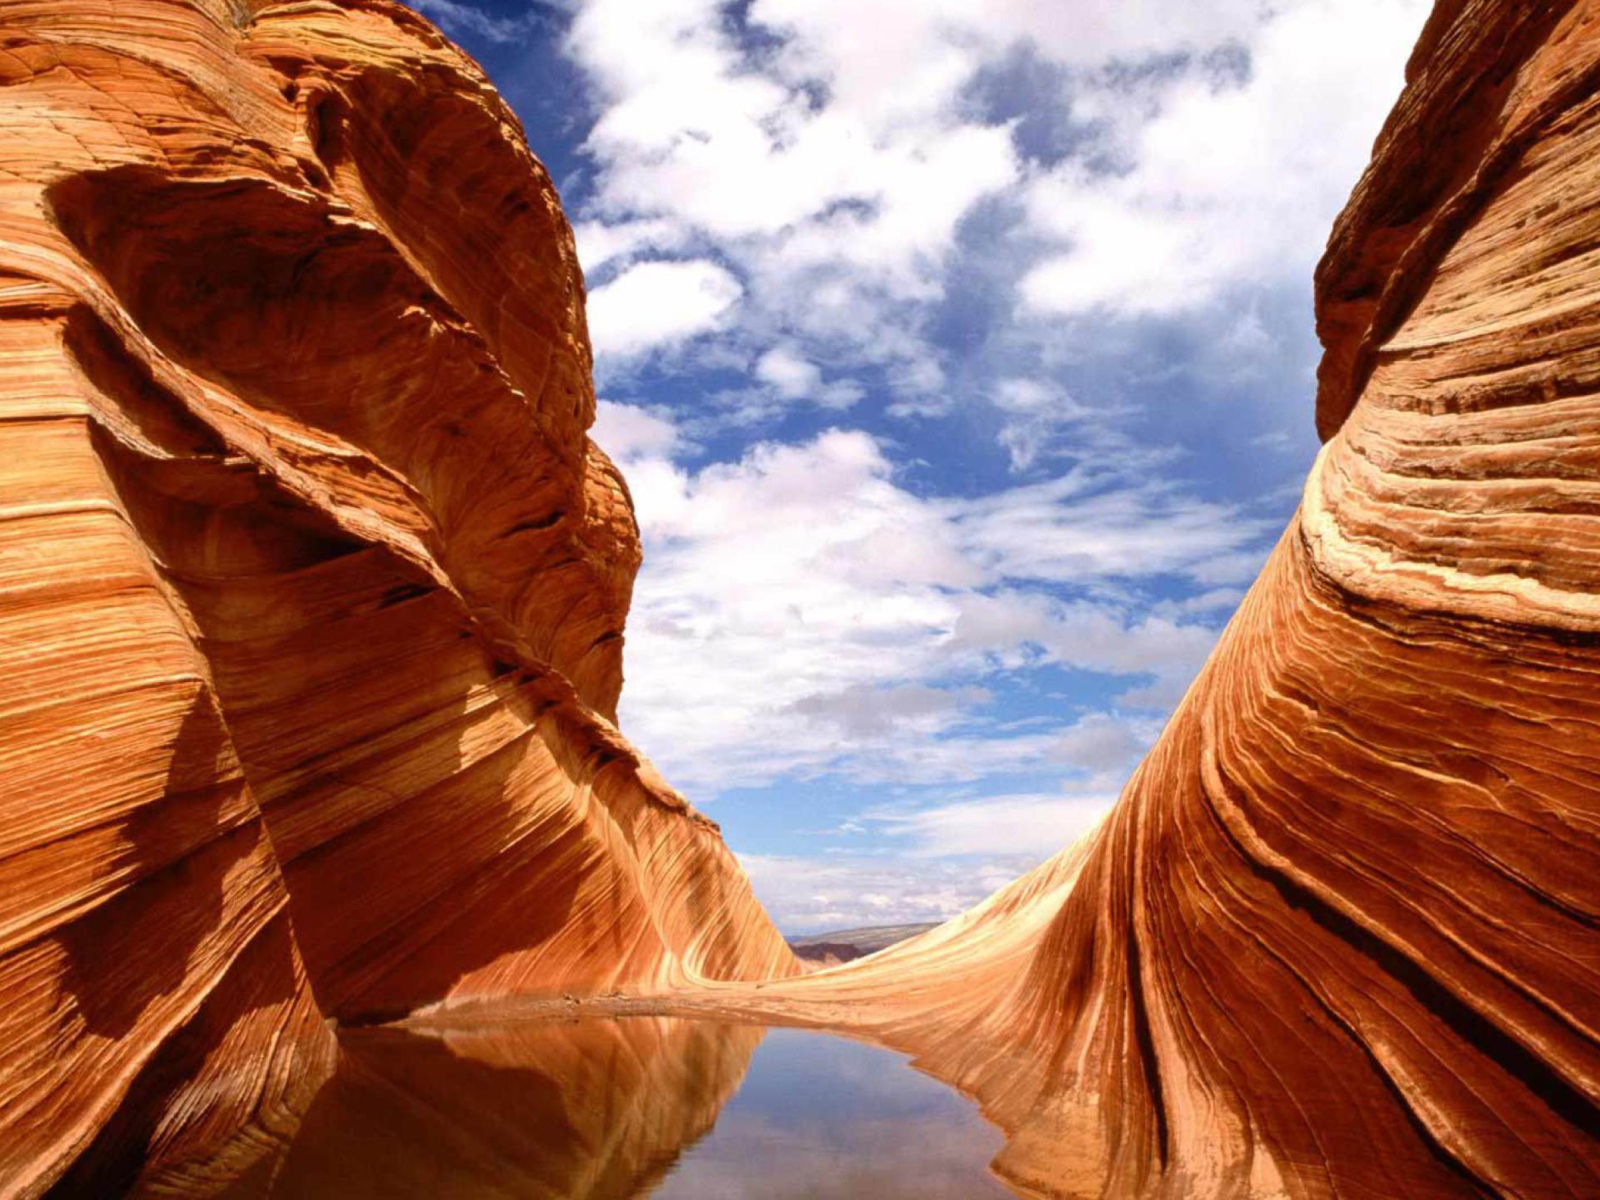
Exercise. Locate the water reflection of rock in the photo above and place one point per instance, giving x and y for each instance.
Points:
(564, 1110)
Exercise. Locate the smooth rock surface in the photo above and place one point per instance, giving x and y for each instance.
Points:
(1341, 934)
(312, 590)
(312, 585)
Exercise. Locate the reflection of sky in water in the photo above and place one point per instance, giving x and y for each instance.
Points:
(820, 1116)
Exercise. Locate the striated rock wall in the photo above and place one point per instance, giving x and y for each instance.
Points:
(312, 585)
(312, 589)
(1341, 934)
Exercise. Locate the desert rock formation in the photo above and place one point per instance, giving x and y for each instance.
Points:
(312, 584)
(313, 587)
(1341, 934)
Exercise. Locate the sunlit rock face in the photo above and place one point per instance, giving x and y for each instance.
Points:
(312, 585)
(1339, 937)
(312, 589)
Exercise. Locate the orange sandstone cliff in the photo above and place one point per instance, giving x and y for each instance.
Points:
(1341, 935)
(312, 591)
(312, 585)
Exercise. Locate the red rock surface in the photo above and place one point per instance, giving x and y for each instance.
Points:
(312, 590)
(312, 585)
(1341, 934)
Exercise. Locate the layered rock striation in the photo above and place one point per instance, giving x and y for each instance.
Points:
(312, 591)
(312, 585)
(1341, 934)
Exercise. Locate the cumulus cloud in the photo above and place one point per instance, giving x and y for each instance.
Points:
(838, 202)
(697, 128)
(1209, 148)
(792, 376)
(1235, 178)
(601, 244)
(660, 304)
(825, 618)
(817, 256)
(630, 434)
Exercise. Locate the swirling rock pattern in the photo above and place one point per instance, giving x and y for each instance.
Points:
(312, 585)
(312, 589)
(1341, 934)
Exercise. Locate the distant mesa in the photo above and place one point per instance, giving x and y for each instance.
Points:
(312, 599)
(847, 945)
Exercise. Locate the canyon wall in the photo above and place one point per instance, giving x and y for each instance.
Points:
(312, 585)
(1341, 934)
(312, 592)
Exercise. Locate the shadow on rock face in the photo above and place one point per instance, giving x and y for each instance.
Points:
(128, 953)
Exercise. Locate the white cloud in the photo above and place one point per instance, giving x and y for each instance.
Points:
(1102, 744)
(660, 304)
(1210, 146)
(860, 710)
(781, 377)
(916, 50)
(939, 861)
(1034, 826)
(790, 375)
(600, 244)
(693, 127)
(1036, 413)
(828, 152)
(815, 193)
(825, 618)
(1231, 183)
(1224, 599)
(627, 432)
(1075, 527)
(811, 894)
(839, 207)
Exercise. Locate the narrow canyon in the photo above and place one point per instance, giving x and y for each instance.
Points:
(313, 590)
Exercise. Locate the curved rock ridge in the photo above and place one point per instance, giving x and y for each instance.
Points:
(1340, 937)
(312, 585)
(312, 590)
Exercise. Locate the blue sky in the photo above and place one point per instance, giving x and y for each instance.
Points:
(959, 355)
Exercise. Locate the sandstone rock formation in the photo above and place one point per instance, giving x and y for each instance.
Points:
(312, 585)
(312, 590)
(1341, 935)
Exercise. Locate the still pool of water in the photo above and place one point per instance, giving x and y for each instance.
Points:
(614, 1109)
